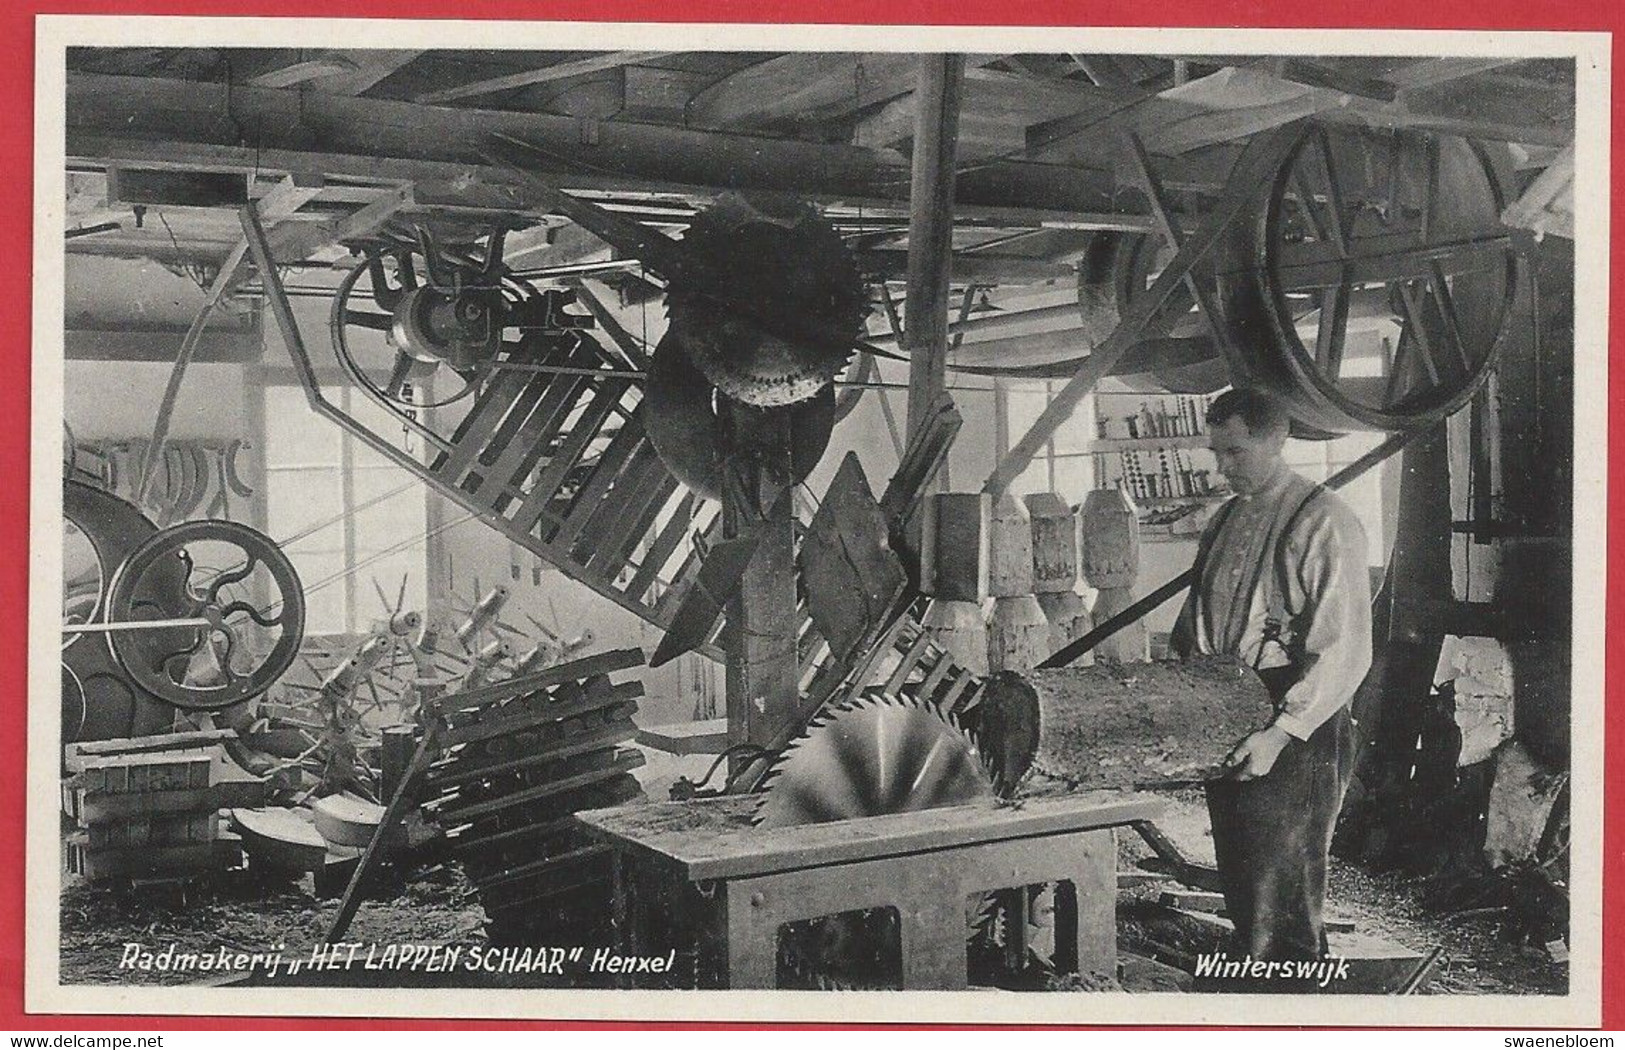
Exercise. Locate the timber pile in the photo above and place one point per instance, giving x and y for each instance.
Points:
(1122, 725)
(148, 807)
(520, 758)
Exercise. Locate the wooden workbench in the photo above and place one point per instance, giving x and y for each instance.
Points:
(700, 873)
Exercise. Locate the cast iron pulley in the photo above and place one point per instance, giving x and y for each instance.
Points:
(1393, 238)
(803, 289)
(232, 578)
(444, 315)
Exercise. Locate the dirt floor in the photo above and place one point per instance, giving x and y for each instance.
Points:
(241, 912)
(1476, 960)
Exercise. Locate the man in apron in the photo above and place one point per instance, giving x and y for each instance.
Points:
(1282, 584)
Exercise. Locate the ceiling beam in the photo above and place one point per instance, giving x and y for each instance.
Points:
(810, 85)
(556, 71)
(338, 72)
(163, 122)
(1431, 72)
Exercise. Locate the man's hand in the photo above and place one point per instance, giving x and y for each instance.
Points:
(1256, 754)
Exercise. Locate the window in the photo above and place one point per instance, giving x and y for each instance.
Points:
(1063, 465)
(351, 521)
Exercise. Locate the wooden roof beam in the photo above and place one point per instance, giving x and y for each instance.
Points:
(166, 123)
(557, 71)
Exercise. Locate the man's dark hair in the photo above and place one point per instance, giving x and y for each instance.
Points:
(1261, 412)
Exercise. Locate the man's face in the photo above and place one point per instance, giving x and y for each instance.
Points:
(1247, 460)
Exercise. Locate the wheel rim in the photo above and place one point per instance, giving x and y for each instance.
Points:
(1353, 223)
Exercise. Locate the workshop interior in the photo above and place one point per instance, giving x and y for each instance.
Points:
(725, 511)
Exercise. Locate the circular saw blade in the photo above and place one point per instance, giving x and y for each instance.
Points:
(874, 756)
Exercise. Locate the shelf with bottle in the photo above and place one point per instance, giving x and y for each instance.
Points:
(1156, 417)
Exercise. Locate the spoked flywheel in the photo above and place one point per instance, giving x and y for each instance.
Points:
(239, 607)
(1372, 282)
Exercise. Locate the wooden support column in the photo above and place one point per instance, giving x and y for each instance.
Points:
(762, 622)
(930, 232)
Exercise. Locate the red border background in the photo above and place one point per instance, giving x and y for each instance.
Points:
(16, 233)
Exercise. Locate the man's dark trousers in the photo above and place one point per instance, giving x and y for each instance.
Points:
(1271, 836)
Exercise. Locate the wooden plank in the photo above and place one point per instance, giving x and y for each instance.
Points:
(76, 754)
(575, 670)
(626, 441)
(476, 431)
(624, 762)
(583, 432)
(440, 778)
(622, 510)
(715, 839)
(541, 712)
(526, 434)
(664, 546)
(557, 71)
(652, 499)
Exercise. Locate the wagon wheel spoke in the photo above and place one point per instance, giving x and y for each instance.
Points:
(1446, 305)
(1333, 328)
(1336, 212)
(1430, 188)
(1416, 327)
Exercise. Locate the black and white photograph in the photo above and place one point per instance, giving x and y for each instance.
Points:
(568, 520)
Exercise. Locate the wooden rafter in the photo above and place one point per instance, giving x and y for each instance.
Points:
(557, 71)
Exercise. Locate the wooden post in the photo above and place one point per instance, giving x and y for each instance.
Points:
(1110, 558)
(398, 744)
(930, 231)
(763, 687)
(1018, 633)
(1056, 545)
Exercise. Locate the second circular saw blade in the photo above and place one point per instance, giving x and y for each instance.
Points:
(873, 756)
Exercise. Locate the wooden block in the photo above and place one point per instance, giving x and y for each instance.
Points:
(1010, 549)
(955, 553)
(162, 830)
(229, 785)
(1055, 541)
(1017, 634)
(144, 861)
(1110, 530)
(960, 629)
(1069, 619)
(1193, 900)
(1132, 644)
(851, 575)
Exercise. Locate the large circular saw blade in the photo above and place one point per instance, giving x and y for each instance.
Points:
(874, 756)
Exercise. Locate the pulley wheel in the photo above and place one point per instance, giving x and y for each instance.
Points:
(232, 577)
(100, 532)
(1370, 284)
(680, 416)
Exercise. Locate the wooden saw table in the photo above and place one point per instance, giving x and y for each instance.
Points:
(697, 876)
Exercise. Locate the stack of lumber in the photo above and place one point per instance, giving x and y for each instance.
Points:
(149, 807)
(519, 758)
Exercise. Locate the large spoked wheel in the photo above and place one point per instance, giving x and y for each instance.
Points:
(1372, 283)
(232, 578)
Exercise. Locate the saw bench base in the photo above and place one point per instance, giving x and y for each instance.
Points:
(700, 874)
